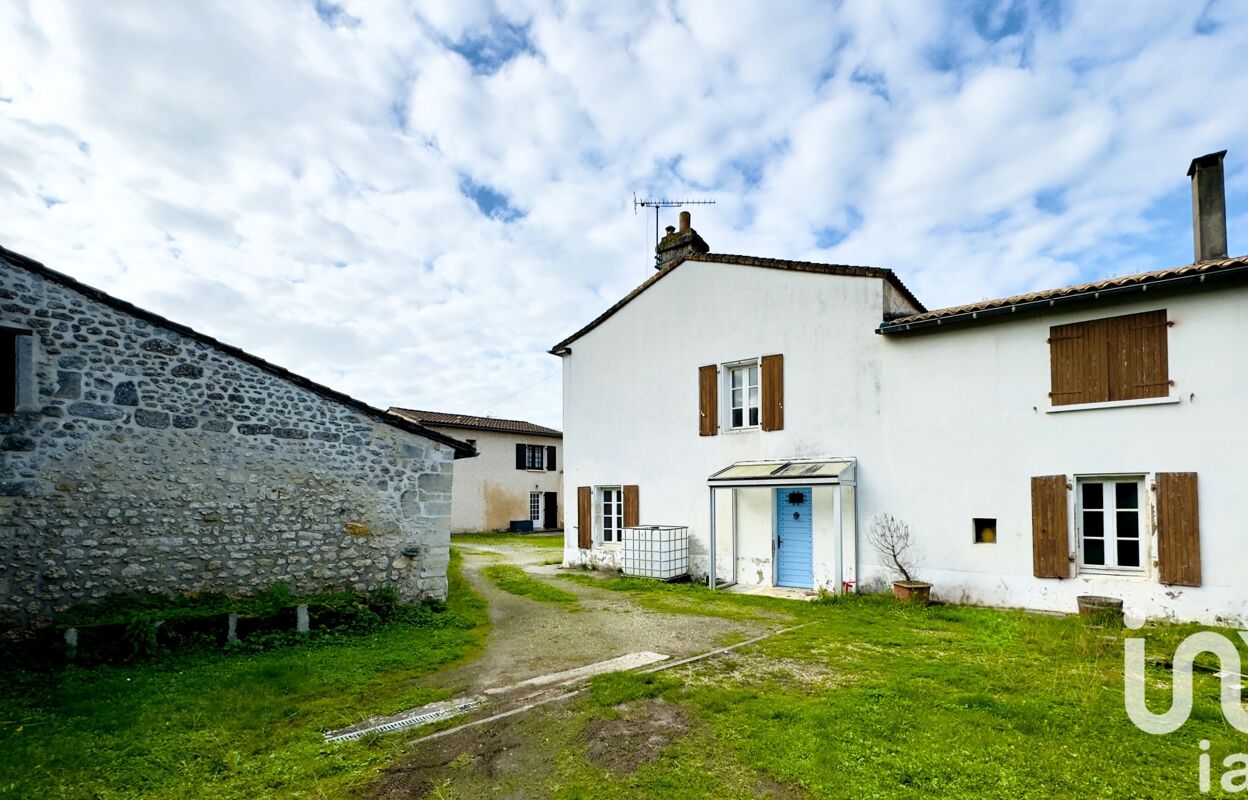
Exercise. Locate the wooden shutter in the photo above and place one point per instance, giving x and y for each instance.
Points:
(584, 518)
(1178, 529)
(708, 400)
(773, 393)
(550, 458)
(1139, 363)
(1077, 369)
(521, 462)
(632, 506)
(1050, 528)
(1118, 358)
(550, 511)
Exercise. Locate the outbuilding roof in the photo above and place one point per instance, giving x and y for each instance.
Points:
(1174, 277)
(746, 261)
(19, 261)
(470, 422)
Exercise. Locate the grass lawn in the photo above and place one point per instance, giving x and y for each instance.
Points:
(225, 726)
(873, 699)
(550, 540)
(517, 581)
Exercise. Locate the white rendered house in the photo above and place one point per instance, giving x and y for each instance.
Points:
(516, 476)
(1082, 440)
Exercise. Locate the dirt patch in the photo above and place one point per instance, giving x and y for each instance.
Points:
(637, 736)
(755, 669)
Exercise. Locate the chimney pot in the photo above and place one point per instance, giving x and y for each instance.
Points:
(1208, 206)
(686, 219)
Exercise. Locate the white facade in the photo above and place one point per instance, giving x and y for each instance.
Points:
(945, 426)
(490, 491)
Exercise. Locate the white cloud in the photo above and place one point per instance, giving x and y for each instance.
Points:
(292, 177)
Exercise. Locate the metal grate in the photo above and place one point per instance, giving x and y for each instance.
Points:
(408, 722)
(656, 551)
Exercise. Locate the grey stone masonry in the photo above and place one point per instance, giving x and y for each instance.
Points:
(142, 457)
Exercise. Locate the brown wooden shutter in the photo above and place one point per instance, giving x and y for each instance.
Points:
(632, 506)
(773, 393)
(584, 518)
(1139, 363)
(1178, 529)
(1077, 368)
(708, 400)
(550, 458)
(1050, 528)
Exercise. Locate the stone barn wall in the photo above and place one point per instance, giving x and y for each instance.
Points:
(143, 456)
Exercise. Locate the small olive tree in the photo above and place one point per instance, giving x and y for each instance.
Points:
(891, 538)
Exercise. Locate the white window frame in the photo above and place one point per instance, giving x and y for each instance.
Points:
(1109, 530)
(535, 508)
(535, 457)
(609, 498)
(731, 369)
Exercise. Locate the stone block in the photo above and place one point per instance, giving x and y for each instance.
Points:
(95, 411)
(151, 419)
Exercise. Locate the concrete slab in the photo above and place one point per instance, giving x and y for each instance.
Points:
(625, 662)
(782, 592)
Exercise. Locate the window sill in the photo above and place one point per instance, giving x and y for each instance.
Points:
(1094, 572)
(1144, 401)
(608, 545)
(746, 429)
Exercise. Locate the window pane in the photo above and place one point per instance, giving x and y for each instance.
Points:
(1127, 495)
(1094, 524)
(754, 415)
(754, 397)
(737, 418)
(1093, 495)
(736, 398)
(737, 376)
(1094, 552)
(753, 376)
(1128, 525)
(1128, 552)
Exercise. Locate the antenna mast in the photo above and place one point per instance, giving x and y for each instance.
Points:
(657, 203)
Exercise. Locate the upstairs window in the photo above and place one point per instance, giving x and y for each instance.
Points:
(1103, 360)
(530, 456)
(743, 395)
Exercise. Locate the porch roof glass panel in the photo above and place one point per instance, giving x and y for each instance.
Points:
(784, 472)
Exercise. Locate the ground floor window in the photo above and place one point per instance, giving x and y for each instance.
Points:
(611, 511)
(535, 507)
(1110, 524)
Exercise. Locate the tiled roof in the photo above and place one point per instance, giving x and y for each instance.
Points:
(17, 260)
(748, 261)
(1172, 277)
(469, 422)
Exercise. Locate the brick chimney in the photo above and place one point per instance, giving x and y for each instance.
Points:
(1208, 206)
(679, 243)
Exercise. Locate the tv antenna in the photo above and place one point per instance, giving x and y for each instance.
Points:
(657, 203)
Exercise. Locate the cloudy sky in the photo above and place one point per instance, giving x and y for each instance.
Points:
(413, 202)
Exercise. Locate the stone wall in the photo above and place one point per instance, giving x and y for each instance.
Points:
(142, 458)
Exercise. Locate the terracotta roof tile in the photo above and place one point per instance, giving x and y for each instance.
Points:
(1090, 290)
(470, 422)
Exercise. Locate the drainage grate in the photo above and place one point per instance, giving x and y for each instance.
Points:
(408, 722)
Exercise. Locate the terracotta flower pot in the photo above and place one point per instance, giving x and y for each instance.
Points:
(913, 591)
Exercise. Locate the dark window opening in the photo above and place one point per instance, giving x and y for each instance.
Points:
(9, 370)
(985, 530)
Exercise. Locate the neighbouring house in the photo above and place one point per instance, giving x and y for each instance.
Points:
(516, 476)
(1081, 440)
(140, 455)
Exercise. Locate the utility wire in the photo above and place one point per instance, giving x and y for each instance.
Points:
(520, 391)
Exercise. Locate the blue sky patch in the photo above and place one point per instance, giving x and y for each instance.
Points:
(334, 15)
(487, 52)
(490, 202)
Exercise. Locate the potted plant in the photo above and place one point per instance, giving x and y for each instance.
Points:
(891, 538)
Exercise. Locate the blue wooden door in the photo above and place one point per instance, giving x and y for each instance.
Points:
(794, 545)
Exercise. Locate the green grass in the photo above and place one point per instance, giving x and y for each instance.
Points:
(543, 540)
(516, 581)
(880, 699)
(218, 726)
